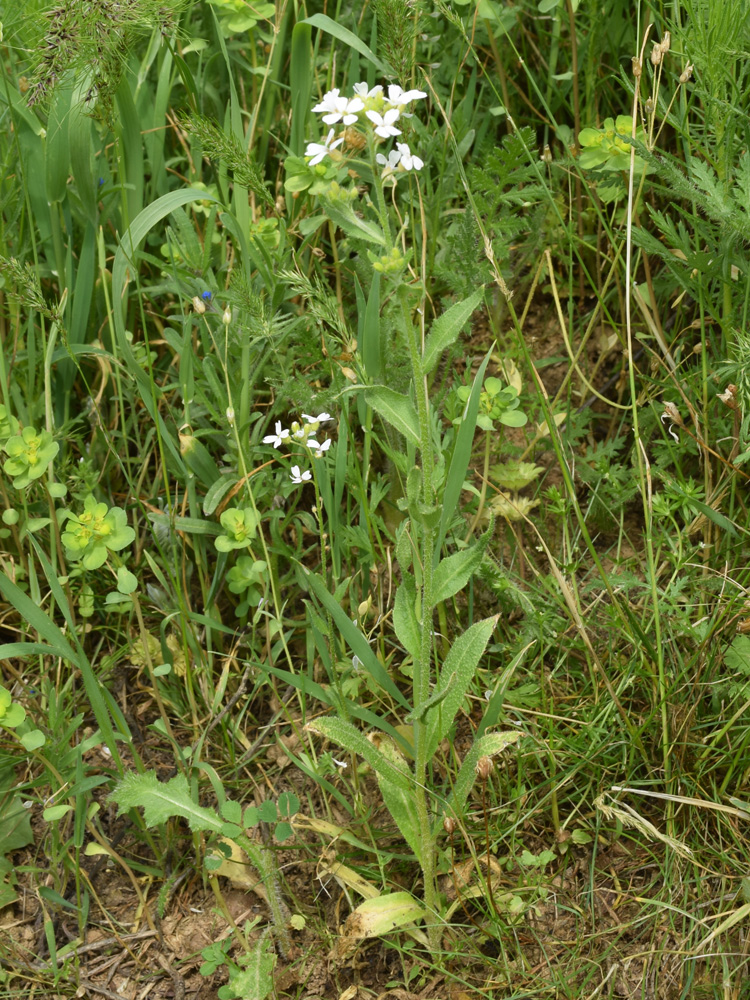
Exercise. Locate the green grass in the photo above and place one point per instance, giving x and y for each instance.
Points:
(471, 682)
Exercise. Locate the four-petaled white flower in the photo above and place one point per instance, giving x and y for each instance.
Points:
(320, 419)
(398, 98)
(278, 437)
(360, 89)
(319, 150)
(297, 476)
(408, 160)
(384, 126)
(339, 108)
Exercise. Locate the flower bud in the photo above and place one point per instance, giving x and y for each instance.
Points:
(449, 825)
(649, 106)
(665, 43)
(199, 305)
(686, 73)
(637, 68)
(656, 54)
(226, 318)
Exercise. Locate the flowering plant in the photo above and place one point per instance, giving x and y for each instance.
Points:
(29, 454)
(96, 531)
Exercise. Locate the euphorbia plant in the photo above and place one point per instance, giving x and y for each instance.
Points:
(401, 754)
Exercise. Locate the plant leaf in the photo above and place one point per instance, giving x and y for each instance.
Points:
(447, 327)
(454, 572)
(382, 915)
(485, 746)
(349, 39)
(461, 456)
(397, 409)
(355, 639)
(405, 622)
(401, 803)
(355, 742)
(161, 800)
(456, 676)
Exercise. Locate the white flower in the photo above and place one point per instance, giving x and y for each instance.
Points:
(384, 123)
(391, 163)
(408, 160)
(329, 103)
(278, 437)
(319, 150)
(339, 108)
(398, 98)
(320, 419)
(340, 763)
(300, 477)
(320, 449)
(360, 89)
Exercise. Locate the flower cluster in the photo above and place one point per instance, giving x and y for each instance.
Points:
(373, 108)
(303, 434)
(97, 530)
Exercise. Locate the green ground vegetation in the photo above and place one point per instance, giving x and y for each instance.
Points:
(374, 439)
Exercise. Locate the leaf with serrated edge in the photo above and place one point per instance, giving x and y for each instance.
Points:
(447, 327)
(161, 800)
(354, 741)
(460, 665)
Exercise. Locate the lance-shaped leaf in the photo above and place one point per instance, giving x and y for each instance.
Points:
(454, 572)
(487, 746)
(355, 640)
(397, 409)
(344, 216)
(401, 804)
(447, 327)
(351, 739)
(455, 678)
(461, 456)
(405, 622)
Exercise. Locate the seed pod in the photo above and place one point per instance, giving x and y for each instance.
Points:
(449, 825)
(686, 73)
(484, 767)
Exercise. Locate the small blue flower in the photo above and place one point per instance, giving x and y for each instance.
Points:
(101, 181)
(207, 296)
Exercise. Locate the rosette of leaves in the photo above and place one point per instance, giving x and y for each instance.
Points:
(29, 454)
(98, 529)
(245, 578)
(496, 403)
(240, 527)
